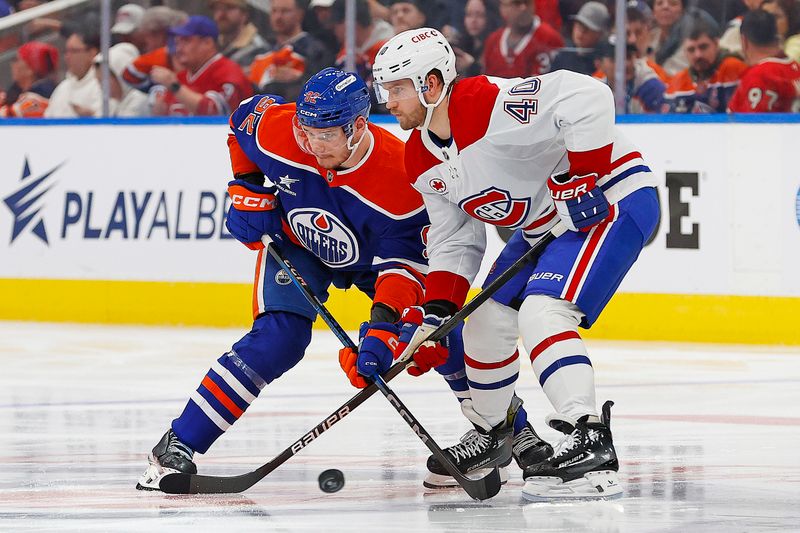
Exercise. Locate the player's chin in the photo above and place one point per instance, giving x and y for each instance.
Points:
(329, 161)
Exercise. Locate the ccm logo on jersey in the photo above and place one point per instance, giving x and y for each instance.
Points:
(497, 207)
(424, 35)
(245, 200)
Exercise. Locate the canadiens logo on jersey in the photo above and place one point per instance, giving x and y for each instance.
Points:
(496, 207)
(324, 235)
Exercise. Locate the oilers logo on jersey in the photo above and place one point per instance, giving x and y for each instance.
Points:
(497, 207)
(324, 235)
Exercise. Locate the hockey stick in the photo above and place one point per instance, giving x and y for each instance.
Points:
(488, 291)
(180, 483)
(481, 488)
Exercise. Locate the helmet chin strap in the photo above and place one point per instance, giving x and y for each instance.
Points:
(430, 108)
(354, 147)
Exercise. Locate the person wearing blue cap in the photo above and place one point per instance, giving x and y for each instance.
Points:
(209, 84)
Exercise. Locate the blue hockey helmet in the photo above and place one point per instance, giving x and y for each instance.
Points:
(333, 98)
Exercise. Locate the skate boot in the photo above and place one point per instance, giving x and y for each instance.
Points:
(584, 465)
(480, 450)
(528, 448)
(170, 455)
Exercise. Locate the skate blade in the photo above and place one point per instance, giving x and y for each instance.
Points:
(599, 485)
(441, 482)
(152, 476)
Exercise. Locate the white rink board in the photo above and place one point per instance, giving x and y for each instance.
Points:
(745, 206)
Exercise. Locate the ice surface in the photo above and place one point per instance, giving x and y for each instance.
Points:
(707, 438)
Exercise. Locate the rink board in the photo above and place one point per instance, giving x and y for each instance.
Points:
(124, 223)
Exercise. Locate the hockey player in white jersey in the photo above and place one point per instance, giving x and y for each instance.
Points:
(534, 155)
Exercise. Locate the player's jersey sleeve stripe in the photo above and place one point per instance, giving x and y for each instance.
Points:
(624, 174)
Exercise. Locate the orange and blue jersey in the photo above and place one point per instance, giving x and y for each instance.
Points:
(367, 218)
(687, 93)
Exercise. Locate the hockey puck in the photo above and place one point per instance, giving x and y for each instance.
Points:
(331, 480)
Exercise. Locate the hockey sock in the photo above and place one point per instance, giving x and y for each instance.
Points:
(549, 329)
(492, 359)
(276, 343)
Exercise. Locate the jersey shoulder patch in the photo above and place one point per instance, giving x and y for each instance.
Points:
(471, 105)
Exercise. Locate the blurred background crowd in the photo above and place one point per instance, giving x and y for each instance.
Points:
(202, 57)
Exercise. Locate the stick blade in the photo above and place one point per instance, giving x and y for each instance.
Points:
(179, 483)
(484, 488)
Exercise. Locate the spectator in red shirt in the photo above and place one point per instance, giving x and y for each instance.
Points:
(209, 84)
(772, 83)
(524, 47)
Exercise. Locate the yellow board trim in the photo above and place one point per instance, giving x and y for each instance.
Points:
(650, 317)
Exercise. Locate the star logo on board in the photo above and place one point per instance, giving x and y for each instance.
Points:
(24, 203)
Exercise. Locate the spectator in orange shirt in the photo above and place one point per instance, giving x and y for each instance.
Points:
(524, 47)
(209, 84)
(295, 53)
(32, 85)
(708, 83)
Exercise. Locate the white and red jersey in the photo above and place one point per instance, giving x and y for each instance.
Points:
(508, 137)
(771, 86)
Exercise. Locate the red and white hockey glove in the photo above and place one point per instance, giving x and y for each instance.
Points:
(415, 326)
(580, 203)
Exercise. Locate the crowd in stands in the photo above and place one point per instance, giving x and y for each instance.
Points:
(681, 56)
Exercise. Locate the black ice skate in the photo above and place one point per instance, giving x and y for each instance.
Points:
(170, 455)
(528, 448)
(478, 451)
(584, 465)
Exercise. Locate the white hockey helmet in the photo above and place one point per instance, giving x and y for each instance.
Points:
(412, 54)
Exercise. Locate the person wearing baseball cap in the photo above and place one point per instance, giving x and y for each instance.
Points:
(589, 26)
(32, 81)
(239, 39)
(209, 83)
(127, 26)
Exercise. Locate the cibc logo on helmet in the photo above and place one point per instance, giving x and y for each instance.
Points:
(429, 34)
